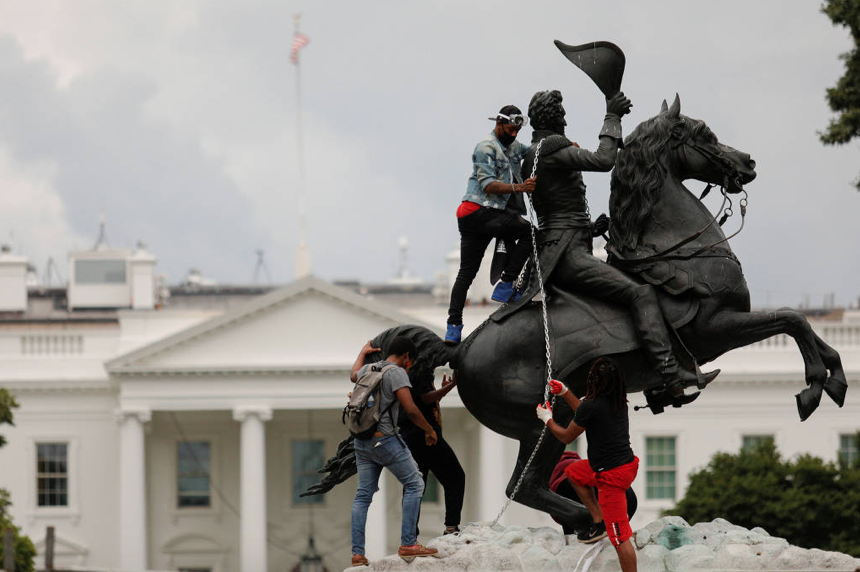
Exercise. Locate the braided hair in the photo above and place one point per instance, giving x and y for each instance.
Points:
(606, 378)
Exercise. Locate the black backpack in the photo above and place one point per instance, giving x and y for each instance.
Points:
(362, 413)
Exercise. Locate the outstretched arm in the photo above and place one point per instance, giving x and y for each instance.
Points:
(603, 159)
(558, 388)
(359, 361)
(437, 394)
(576, 158)
(414, 414)
(563, 434)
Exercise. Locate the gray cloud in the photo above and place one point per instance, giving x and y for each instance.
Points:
(152, 181)
(180, 122)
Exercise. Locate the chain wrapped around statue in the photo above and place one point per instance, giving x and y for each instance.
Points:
(671, 296)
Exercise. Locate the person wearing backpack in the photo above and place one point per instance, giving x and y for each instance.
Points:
(386, 449)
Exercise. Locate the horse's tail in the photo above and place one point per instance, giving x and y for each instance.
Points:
(339, 468)
(432, 353)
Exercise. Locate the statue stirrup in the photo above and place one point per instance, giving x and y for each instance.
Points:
(676, 378)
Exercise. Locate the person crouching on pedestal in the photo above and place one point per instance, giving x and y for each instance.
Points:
(611, 465)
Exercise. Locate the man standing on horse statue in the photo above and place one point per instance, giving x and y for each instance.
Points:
(492, 208)
(565, 231)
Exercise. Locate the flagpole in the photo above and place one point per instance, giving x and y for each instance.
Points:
(303, 254)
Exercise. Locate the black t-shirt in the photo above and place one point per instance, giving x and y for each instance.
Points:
(608, 433)
(430, 411)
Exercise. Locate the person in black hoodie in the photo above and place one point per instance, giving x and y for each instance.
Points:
(440, 458)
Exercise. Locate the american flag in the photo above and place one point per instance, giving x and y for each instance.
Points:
(299, 42)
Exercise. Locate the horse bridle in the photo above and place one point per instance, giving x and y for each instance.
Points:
(730, 175)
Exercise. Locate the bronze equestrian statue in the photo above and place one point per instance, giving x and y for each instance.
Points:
(565, 233)
(660, 235)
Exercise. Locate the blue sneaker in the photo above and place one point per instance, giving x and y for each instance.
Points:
(452, 336)
(504, 292)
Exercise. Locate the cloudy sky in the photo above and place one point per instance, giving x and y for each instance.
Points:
(177, 120)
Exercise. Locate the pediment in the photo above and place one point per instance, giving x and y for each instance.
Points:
(67, 553)
(192, 544)
(309, 324)
(63, 547)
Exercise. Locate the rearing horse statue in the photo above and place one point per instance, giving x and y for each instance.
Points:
(660, 234)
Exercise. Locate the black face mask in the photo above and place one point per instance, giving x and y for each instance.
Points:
(506, 139)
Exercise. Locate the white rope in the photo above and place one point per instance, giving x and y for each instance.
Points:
(596, 548)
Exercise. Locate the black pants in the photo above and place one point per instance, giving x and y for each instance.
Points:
(442, 461)
(476, 232)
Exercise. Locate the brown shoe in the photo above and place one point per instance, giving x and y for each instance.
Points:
(359, 560)
(408, 553)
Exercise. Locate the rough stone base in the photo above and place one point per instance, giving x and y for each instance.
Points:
(668, 544)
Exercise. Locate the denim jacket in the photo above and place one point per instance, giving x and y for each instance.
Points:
(491, 161)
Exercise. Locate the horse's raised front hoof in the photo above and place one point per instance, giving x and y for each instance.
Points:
(808, 400)
(836, 389)
(815, 374)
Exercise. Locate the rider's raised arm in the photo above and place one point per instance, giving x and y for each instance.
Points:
(603, 159)
(610, 137)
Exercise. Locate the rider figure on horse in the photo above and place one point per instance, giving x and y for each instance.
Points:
(565, 228)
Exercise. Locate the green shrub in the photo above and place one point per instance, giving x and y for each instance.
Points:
(808, 502)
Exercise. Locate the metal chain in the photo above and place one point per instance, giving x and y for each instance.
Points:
(523, 473)
(546, 392)
(540, 277)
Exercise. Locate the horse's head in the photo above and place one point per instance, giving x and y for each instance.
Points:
(668, 145)
(699, 154)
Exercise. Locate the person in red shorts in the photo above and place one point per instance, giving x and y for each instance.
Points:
(559, 484)
(611, 466)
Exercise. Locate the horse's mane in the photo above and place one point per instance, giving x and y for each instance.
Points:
(640, 170)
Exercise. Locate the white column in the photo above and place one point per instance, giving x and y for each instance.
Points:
(376, 531)
(132, 489)
(253, 548)
(494, 474)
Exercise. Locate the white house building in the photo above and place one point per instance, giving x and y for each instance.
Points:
(174, 428)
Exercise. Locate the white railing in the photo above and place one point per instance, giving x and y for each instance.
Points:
(840, 334)
(772, 343)
(836, 334)
(52, 344)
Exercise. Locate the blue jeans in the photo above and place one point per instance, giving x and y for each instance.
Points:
(371, 455)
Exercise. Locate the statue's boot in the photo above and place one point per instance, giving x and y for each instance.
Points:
(652, 332)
